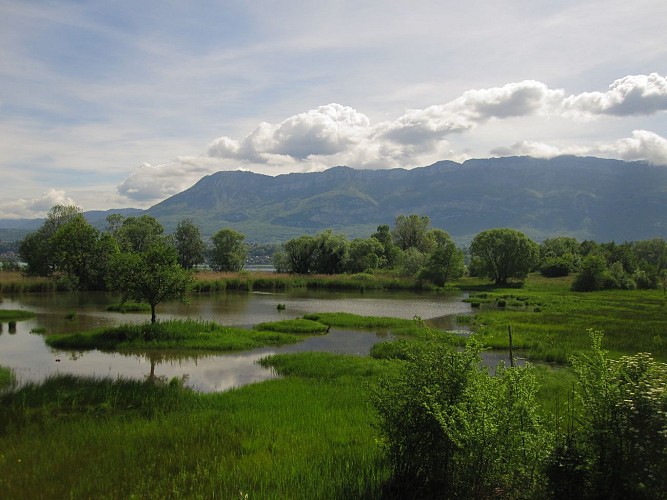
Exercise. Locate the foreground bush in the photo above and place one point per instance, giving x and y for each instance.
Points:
(619, 450)
(453, 431)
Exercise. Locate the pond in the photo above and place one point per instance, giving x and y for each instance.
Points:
(32, 360)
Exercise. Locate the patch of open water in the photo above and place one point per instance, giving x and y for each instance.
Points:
(32, 360)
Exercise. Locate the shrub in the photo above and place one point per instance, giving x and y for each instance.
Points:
(620, 448)
(452, 430)
(555, 267)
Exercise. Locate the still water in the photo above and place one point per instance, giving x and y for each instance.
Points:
(32, 360)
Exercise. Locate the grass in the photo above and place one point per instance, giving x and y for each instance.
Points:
(172, 334)
(310, 435)
(126, 307)
(549, 322)
(207, 281)
(15, 282)
(296, 326)
(15, 315)
(307, 436)
(7, 377)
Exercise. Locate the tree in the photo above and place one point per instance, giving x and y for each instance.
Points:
(410, 232)
(189, 244)
(445, 262)
(151, 276)
(365, 255)
(36, 248)
(391, 253)
(299, 254)
(229, 252)
(136, 234)
(75, 252)
(330, 253)
(501, 254)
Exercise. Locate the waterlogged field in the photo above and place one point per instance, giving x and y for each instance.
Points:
(311, 434)
(549, 322)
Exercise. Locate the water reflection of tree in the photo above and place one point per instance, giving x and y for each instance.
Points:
(155, 358)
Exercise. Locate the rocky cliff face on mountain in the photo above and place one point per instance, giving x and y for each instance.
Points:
(588, 198)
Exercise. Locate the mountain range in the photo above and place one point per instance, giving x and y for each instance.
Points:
(584, 197)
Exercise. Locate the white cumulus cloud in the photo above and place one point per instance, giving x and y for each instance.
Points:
(34, 207)
(335, 134)
(156, 182)
(631, 95)
(643, 145)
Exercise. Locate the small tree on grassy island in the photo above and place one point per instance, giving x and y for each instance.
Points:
(502, 254)
(152, 276)
(229, 252)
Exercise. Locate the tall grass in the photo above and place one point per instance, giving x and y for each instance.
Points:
(172, 334)
(260, 280)
(296, 326)
(7, 377)
(301, 438)
(550, 322)
(15, 315)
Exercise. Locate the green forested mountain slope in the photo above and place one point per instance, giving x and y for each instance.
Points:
(589, 198)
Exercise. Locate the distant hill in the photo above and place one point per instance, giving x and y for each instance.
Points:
(588, 198)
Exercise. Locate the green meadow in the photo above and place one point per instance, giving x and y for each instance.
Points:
(312, 434)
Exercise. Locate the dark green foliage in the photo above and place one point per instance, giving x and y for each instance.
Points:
(299, 325)
(330, 253)
(554, 267)
(365, 255)
(135, 234)
(411, 232)
(189, 244)
(453, 431)
(15, 315)
(619, 447)
(445, 263)
(229, 251)
(69, 247)
(502, 254)
(152, 276)
(591, 276)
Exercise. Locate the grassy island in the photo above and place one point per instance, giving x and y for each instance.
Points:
(181, 334)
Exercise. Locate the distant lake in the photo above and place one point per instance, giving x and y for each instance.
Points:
(32, 360)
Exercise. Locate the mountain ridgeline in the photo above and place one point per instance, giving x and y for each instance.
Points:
(588, 198)
(583, 197)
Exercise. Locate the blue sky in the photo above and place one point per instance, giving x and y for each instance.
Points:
(122, 104)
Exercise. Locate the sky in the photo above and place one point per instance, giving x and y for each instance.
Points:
(123, 104)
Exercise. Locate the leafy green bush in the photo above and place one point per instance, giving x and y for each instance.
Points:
(453, 431)
(620, 448)
(554, 267)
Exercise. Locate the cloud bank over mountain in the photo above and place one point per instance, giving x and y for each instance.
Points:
(122, 103)
(335, 134)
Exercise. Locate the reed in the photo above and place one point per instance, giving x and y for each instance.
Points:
(15, 315)
(296, 326)
(288, 438)
(7, 377)
(549, 322)
(172, 334)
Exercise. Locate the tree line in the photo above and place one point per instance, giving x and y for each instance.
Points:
(82, 257)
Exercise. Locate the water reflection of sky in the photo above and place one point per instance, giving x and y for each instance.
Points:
(32, 360)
